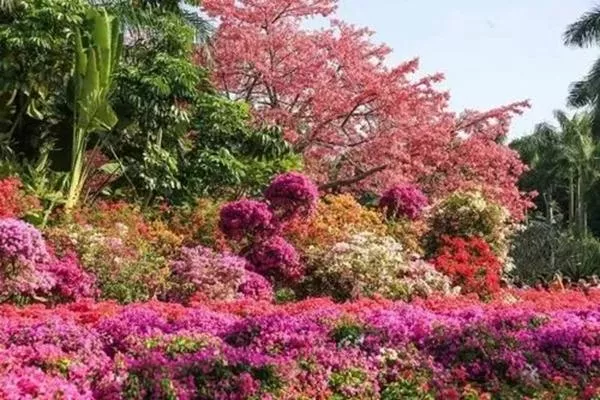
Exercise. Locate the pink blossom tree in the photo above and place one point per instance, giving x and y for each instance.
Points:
(357, 121)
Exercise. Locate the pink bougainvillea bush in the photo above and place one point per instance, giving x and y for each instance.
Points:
(247, 219)
(531, 346)
(203, 273)
(405, 201)
(292, 195)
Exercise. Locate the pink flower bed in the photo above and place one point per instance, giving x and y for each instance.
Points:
(519, 345)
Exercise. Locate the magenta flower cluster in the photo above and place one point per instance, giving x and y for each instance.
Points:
(257, 225)
(72, 283)
(276, 258)
(256, 287)
(163, 351)
(292, 195)
(29, 270)
(214, 276)
(404, 200)
(247, 219)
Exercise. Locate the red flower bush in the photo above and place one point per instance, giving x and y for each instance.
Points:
(471, 264)
(292, 195)
(403, 201)
(13, 202)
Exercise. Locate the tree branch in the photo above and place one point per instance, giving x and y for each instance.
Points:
(349, 181)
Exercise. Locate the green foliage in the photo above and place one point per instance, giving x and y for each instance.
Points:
(95, 63)
(542, 251)
(156, 88)
(37, 47)
(229, 155)
(351, 384)
(348, 333)
(405, 389)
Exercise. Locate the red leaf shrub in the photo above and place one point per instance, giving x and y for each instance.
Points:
(470, 263)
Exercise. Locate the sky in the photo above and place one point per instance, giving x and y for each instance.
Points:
(492, 52)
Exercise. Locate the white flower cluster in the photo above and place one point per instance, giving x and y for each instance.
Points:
(367, 264)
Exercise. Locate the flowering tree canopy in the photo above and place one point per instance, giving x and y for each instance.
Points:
(356, 120)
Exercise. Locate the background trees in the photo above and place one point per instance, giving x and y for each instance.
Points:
(172, 134)
(586, 92)
(357, 122)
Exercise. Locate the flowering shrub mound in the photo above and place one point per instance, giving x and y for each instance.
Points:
(403, 201)
(469, 214)
(307, 350)
(370, 265)
(256, 287)
(23, 257)
(29, 270)
(337, 217)
(204, 274)
(246, 219)
(471, 264)
(276, 258)
(292, 195)
(126, 269)
(72, 283)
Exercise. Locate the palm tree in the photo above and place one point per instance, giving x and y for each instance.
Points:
(559, 157)
(539, 151)
(585, 32)
(580, 161)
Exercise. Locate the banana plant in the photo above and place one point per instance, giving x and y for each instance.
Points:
(97, 54)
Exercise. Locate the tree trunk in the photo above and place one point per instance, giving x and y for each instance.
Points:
(571, 203)
(579, 204)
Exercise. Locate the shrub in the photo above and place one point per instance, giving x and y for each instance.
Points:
(370, 265)
(211, 275)
(134, 228)
(197, 223)
(14, 203)
(403, 201)
(256, 287)
(292, 195)
(72, 283)
(337, 217)
(409, 233)
(246, 220)
(276, 258)
(469, 214)
(126, 269)
(23, 257)
(540, 251)
(471, 264)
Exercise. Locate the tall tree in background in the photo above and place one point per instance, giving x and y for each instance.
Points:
(357, 121)
(564, 166)
(585, 32)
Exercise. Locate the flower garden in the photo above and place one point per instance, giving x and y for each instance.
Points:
(365, 313)
(213, 201)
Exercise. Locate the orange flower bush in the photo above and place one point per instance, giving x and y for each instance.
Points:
(337, 218)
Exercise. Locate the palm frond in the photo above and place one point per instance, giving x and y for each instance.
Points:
(579, 94)
(8, 5)
(585, 31)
